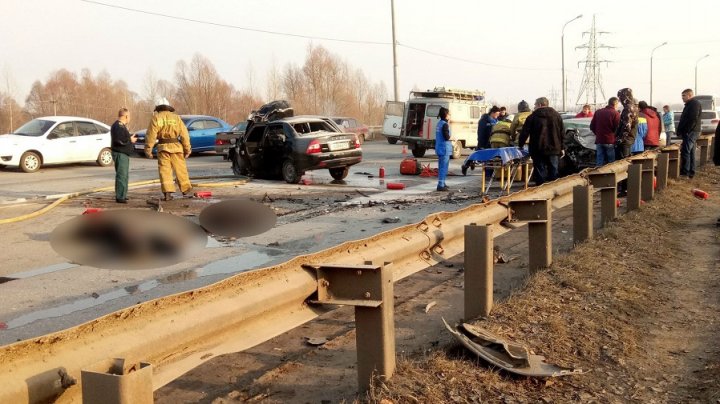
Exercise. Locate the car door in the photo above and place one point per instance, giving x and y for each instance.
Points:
(89, 141)
(273, 148)
(61, 144)
(252, 150)
(211, 127)
(195, 129)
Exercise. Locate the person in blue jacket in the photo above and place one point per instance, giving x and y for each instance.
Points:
(641, 132)
(443, 147)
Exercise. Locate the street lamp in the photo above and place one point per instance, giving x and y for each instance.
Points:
(696, 63)
(651, 70)
(562, 53)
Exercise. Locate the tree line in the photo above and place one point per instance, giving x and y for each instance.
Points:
(323, 85)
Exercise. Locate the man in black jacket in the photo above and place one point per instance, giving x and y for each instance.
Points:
(689, 130)
(121, 146)
(544, 128)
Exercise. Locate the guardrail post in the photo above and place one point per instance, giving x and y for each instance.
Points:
(607, 185)
(634, 184)
(478, 271)
(369, 288)
(662, 170)
(648, 172)
(674, 162)
(582, 213)
(538, 214)
(117, 382)
(703, 143)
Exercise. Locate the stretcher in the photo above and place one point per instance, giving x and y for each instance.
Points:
(504, 163)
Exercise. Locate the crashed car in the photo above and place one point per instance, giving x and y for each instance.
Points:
(579, 142)
(278, 145)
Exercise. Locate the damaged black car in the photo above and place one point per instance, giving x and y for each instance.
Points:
(278, 145)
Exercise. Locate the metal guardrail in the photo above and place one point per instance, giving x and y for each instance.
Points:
(179, 332)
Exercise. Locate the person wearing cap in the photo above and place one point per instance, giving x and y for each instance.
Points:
(487, 121)
(173, 147)
(543, 131)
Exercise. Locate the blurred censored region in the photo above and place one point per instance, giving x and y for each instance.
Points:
(128, 239)
(237, 218)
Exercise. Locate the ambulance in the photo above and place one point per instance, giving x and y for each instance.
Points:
(414, 121)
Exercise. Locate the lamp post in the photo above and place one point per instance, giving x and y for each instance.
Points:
(562, 53)
(651, 69)
(696, 63)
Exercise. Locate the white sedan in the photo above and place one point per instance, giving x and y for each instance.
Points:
(56, 140)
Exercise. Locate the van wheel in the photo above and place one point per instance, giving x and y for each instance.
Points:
(457, 149)
(290, 173)
(339, 173)
(105, 158)
(392, 140)
(30, 162)
(419, 151)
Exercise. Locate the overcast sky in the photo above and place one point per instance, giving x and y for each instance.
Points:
(40, 36)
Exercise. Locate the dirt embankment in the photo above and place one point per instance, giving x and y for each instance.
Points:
(637, 307)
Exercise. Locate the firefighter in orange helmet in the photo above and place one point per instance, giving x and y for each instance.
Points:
(173, 147)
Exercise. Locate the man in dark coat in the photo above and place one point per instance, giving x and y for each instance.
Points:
(544, 128)
(121, 146)
(689, 130)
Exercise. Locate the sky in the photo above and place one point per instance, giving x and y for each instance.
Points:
(511, 50)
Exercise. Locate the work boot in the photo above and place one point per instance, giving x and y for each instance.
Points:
(168, 196)
(188, 192)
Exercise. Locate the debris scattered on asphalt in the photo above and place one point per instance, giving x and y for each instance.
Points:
(430, 306)
(362, 193)
(391, 220)
(95, 295)
(510, 356)
(316, 341)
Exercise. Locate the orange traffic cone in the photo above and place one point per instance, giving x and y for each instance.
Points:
(404, 151)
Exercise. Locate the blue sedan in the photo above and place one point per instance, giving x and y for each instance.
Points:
(202, 130)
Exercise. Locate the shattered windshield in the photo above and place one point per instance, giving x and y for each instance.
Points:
(304, 128)
(36, 127)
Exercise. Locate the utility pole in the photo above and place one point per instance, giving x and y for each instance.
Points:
(394, 46)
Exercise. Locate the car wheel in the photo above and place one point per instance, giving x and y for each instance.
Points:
(339, 173)
(457, 149)
(418, 151)
(290, 173)
(105, 158)
(238, 165)
(392, 140)
(30, 162)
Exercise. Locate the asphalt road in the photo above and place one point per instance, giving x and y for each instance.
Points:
(43, 292)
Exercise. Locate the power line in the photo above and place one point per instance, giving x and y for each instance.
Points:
(475, 61)
(156, 14)
(172, 17)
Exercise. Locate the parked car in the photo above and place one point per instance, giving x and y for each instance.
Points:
(353, 126)
(202, 130)
(288, 147)
(226, 140)
(56, 140)
(708, 121)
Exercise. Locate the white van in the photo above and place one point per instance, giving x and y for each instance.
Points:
(415, 123)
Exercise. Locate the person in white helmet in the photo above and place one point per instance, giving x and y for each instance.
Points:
(173, 147)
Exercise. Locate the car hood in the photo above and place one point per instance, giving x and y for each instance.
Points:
(11, 140)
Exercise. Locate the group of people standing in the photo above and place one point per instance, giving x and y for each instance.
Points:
(639, 127)
(173, 147)
(618, 134)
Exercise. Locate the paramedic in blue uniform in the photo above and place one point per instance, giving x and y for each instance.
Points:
(443, 147)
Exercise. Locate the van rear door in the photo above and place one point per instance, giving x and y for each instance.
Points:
(392, 124)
